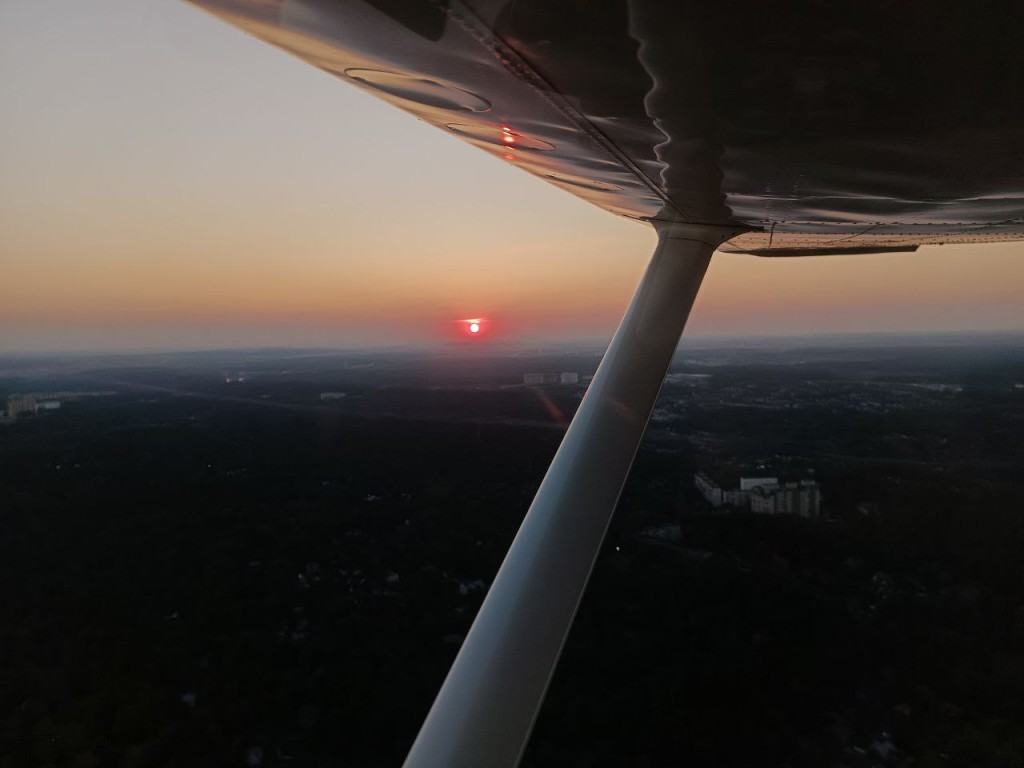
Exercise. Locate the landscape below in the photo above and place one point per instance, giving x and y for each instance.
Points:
(271, 558)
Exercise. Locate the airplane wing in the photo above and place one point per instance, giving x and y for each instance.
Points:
(876, 128)
(767, 128)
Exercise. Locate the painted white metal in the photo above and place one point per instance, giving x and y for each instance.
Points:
(483, 715)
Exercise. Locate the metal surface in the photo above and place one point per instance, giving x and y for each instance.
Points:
(818, 126)
(483, 714)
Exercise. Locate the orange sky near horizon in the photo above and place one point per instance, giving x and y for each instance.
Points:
(183, 185)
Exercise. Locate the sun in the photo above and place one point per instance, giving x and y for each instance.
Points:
(473, 327)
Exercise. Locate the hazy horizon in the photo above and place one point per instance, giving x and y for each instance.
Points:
(838, 340)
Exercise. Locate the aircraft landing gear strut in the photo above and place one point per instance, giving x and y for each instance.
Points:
(486, 708)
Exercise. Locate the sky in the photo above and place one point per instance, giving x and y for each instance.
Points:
(168, 182)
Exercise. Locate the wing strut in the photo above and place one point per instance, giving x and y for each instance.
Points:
(486, 708)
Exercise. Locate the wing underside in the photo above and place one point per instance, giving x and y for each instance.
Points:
(862, 131)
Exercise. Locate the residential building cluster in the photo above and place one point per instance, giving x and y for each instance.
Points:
(17, 406)
(23, 405)
(763, 495)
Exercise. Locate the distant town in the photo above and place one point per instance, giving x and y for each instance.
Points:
(566, 378)
(15, 405)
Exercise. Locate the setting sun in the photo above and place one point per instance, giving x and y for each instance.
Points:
(475, 327)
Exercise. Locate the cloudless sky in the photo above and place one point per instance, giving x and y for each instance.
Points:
(167, 181)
